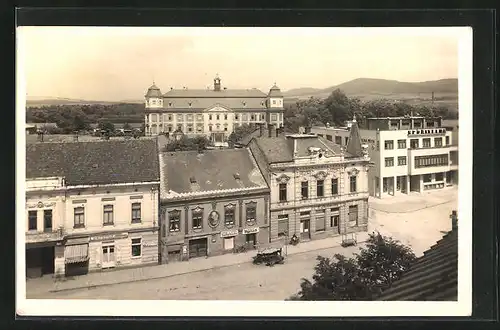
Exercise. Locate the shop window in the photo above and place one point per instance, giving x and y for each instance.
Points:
(353, 214)
(197, 215)
(251, 211)
(32, 220)
(353, 183)
(79, 217)
(334, 218)
(388, 144)
(174, 221)
(320, 185)
(136, 247)
(335, 186)
(304, 190)
(229, 214)
(282, 225)
(108, 215)
(282, 190)
(401, 144)
(320, 220)
(47, 220)
(439, 176)
(427, 178)
(136, 212)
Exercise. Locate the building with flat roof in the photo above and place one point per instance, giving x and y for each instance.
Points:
(212, 202)
(91, 206)
(318, 188)
(410, 154)
(214, 112)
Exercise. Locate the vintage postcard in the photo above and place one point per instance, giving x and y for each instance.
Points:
(254, 171)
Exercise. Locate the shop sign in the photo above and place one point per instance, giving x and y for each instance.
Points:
(150, 244)
(108, 237)
(251, 230)
(40, 205)
(229, 233)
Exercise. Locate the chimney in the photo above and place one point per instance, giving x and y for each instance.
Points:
(454, 220)
(307, 130)
(262, 129)
(272, 130)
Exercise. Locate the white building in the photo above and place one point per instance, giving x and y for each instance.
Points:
(410, 154)
(91, 206)
(213, 112)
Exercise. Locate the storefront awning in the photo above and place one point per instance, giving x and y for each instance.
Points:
(76, 253)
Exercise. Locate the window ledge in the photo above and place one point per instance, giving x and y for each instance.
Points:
(136, 257)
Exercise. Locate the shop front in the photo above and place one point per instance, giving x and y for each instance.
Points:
(76, 257)
(198, 247)
(39, 260)
(251, 236)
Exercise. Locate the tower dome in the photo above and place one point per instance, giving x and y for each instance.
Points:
(153, 91)
(275, 91)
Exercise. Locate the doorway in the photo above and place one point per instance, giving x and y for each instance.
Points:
(305, 229)
(251, 240)
(198, 248)
(108, 256)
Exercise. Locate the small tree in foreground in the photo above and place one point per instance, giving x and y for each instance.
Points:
(362, 277)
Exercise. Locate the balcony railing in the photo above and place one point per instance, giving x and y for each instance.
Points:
(46, 236)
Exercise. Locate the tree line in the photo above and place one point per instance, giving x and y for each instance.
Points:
(338, 108)
(70, 118)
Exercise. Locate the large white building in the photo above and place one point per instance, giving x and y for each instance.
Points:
(410, 154)
(91, 206)
(213, 112)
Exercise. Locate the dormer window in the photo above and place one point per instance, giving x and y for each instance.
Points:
(262, 103)
(169, 104)
(244, 104)
(189, 104)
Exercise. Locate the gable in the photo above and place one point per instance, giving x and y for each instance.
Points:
(218, 108)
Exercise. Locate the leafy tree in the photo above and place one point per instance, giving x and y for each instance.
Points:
(362, 277)
(107, 126)
(185, 144)
(239, 133)
(338, 107)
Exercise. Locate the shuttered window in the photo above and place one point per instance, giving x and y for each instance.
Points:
(282, 225)
(320, 220)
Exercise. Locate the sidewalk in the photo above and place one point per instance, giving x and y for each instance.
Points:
(48, 284)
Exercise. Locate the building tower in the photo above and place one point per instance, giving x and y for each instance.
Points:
(217, 83)
(354, 146)
(154, 100)
(275, 106)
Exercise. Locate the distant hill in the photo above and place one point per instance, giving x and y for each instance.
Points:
(362, 87)
(37, 102)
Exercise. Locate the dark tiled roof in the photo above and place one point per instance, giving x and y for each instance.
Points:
(275, 91)
(210, 93)
(204, 102)
(153, 91)
(247, 138)
(212, 170)
(275, 149)
(89, 163)
(337, 149)
(433, 277)
(354, 141)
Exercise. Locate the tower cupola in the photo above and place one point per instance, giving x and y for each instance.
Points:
(217, 83)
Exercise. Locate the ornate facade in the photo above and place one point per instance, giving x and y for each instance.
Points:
(211, 203)
(214, 112)
(318, 189)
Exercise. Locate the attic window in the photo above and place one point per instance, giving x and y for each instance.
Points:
(236, 176)
(189, 103)
(244, 104)
(169, 104)
(192, 179)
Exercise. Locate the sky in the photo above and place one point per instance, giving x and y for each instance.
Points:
(110, 64)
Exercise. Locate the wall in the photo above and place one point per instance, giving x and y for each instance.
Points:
(51, 200)
(208, 205)
(93, 203)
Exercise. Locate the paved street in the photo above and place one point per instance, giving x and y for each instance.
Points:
(418, 221)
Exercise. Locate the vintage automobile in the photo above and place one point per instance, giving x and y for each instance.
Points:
(269, 256)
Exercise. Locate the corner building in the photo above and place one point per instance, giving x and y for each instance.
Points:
(212, 202)
(99, 202)
(213, 112)
(410, 154)
(318, 189)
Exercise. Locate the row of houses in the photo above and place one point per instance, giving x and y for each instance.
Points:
(124, 203)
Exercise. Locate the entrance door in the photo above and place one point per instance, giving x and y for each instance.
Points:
(251, 240)
(48, 260)
(449, 180)
(304, 229)
(108, 256)
(198, 248)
